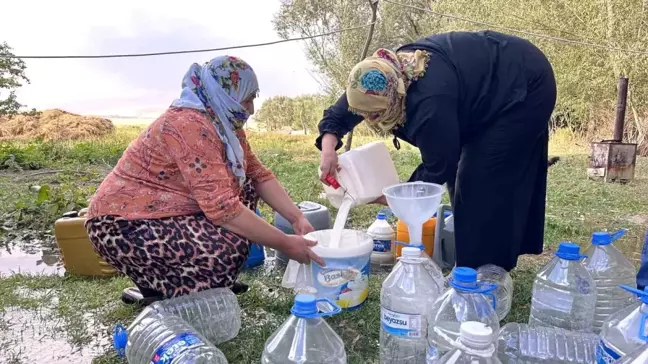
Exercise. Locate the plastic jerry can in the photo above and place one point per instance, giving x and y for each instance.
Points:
(79, 256)
(429, 231)
(364, 173)
(256, 257)
(444, 239)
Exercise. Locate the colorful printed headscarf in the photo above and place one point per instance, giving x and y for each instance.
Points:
(217, 88)
(378, 85)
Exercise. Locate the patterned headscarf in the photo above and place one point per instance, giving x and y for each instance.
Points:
(217, 88)
(377, 87)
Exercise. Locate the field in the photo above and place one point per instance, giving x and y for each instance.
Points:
(58, 318)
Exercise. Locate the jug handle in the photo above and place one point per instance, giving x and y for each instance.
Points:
(618, 235)
(336, 308)
(642, 328)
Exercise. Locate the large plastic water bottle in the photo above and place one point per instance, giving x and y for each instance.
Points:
(610, 269)
(564, 293)
(625, 330)
(521, 343)
(428, 264)
(155, 338)
(639, 356)
(406, 297)
(466, 300)
(383, 236)
(214, 313)
(305, 337)
(504, 292)
(475, 346)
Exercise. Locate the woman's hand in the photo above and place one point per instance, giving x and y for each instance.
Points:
(298, 249)
(302, 226)
(329, 157)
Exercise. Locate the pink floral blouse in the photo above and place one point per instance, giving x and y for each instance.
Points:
(176, 167)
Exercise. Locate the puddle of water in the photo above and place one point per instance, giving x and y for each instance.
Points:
(26, 253)
(36, 336)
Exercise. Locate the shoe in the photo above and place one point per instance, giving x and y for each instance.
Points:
(240, 288)
(133, 296)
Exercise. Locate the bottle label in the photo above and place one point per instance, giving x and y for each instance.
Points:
(382, 245)
(604, 354)
(401, 324)
(166, 353)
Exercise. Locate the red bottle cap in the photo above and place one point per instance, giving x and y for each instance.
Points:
(332, 181)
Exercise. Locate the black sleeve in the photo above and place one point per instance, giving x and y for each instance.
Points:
(432, 107)
(337, 120)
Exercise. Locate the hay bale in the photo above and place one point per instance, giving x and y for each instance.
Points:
(54, 125)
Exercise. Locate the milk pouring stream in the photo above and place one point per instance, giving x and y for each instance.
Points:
(405, 300)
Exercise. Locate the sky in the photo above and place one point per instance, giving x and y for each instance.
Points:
(142, 86)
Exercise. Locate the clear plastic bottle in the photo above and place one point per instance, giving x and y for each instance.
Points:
(214, 313)
(625, 330)
(466, 300)
(475, 346)
(564, 293)
(491, 273)
(639, 356)
(610, 269)
(383, 236)
(428, 264)
(524, 344)
(406, 297)
(305, 337)
(155, 338)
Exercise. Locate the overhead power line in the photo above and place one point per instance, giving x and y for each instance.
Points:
(133, 55)
(513, 30)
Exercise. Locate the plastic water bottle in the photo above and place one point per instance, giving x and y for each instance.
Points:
(610, 269)
(624, 331)
(383, 235)
(428, 264)
(466, 300)
(155, 338)
(491, 273)
(475, 346)
(305, 337)
(521, 343)
(639, 356)
(405, 300)
(214, 313)
(564, 293)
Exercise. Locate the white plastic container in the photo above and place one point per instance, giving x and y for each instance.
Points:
(405, 300)
(305, 338)
(564, 293)
(345, 279)
(624, 331)
(364, 172)
(383, 236)
(639, 356)
(475, 346)
(610, 269)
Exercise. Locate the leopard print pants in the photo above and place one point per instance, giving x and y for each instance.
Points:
(174, 256)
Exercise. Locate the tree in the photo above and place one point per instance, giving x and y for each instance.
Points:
(12, 76)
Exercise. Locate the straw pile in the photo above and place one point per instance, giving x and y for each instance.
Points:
(53, 125)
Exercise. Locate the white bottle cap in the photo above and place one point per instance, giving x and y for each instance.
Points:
(475, 334)
(409, 252)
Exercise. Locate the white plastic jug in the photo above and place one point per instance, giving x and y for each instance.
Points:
(364, 172)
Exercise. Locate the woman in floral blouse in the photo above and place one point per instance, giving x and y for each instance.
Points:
(177, 212)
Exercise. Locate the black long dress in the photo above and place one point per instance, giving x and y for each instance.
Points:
(479, 117)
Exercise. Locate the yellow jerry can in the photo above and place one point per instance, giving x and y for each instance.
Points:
(79, 257)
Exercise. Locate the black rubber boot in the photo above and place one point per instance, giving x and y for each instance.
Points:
(240, 288)
(140, 296)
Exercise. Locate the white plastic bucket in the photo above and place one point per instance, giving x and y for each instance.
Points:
(345, 279)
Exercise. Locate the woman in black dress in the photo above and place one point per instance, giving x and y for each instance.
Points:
(477, 105)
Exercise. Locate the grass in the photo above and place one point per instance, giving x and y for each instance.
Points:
(39, 181)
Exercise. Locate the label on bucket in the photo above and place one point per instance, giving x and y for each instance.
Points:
(344, 280)
(166, 353)
(381, 245)
(401, 324)
(604, 354)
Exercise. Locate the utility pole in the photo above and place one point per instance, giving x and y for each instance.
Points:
(365, 50)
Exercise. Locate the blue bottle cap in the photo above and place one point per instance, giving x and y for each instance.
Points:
(381, 216)
(569, 251)
(606, 238)
(120, 338)
(305, 305)
(464, 275)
